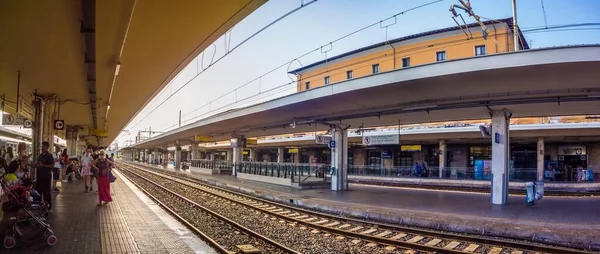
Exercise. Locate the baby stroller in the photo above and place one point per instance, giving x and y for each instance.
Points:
(24, 219)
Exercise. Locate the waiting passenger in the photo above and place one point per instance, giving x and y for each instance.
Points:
(45, 165)
(9, 155)
(64, 163)
(86, 172)
(103, 166)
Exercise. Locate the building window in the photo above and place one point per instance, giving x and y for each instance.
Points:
(404, 159)
(307, 85)
(440, 56)
(480, 50)
(349, 75)
(375, 68)
(326, 79)
(405, 62)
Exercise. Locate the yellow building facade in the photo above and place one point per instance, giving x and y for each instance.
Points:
(425, 48)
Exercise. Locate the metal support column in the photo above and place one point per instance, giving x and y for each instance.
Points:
(280, 153)
(540, 159)
(37, 129)
(178, 157)
(339, 159)
(500, 157)
(442, 157)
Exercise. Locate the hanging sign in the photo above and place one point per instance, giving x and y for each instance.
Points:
(381, 140)
(322, 139)
(293, 150)
(199, 138)
(59, 125)
(571, 150)
(27, 123)
(8, 119)
(410, 148)
(98, 132)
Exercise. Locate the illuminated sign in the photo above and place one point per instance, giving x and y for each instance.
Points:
(409, 148)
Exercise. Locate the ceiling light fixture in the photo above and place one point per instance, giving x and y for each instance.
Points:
(117, 69)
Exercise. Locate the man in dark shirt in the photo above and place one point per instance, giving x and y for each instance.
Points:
(45, 165)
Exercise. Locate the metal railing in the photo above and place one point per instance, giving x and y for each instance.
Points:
(300, 172)
(459, 173)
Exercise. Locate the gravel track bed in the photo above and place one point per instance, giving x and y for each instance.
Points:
(367, 220)
(298, 237)
(223, 233)
(209, 188)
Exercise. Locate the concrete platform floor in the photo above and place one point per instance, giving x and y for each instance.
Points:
(132, 223)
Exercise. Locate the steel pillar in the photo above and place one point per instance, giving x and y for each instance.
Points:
(500, 157)
(339, 159)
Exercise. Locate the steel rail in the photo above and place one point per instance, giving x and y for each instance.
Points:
(189, 225)
(220, 217)
(404, 229)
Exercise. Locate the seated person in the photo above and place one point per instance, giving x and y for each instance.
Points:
(11, 177)
(72, 171)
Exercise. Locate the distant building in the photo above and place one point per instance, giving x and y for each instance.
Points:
(418, 49)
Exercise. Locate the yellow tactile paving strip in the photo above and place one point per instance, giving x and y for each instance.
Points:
(114, 230)
(129, 226)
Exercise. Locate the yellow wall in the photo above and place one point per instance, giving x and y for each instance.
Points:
(424, 52)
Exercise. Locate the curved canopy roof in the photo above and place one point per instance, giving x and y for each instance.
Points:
(73, 49)
(528, 83)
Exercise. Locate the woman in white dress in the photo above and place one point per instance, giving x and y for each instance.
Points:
(86, 171)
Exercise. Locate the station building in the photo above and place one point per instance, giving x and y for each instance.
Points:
(424, 48)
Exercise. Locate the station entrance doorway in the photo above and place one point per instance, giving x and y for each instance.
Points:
(570, 159)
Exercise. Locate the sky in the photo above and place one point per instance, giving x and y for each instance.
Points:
(216, 88)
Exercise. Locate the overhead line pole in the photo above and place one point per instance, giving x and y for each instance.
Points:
(515, 26)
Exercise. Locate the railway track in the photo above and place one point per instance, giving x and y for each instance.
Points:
(221, 233)
(386, 237)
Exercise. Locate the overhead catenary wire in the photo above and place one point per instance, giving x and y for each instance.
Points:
(303, 5)
(288, 62)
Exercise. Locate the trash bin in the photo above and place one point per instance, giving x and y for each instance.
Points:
(530, 196)
(539, 190)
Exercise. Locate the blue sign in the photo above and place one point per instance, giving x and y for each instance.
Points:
(386, 155)
(332, 144)
(497, 138)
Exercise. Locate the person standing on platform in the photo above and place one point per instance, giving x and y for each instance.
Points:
(64, 163)
(56, 170)
(45, 166)
(86, 171)
(9, 155)
(102, 166)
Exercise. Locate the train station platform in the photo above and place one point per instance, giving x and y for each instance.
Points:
(131, 223)
(570, 221)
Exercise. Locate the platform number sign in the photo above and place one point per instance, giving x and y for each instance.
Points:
(27, 123)
(332, 144)
(59, 125)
